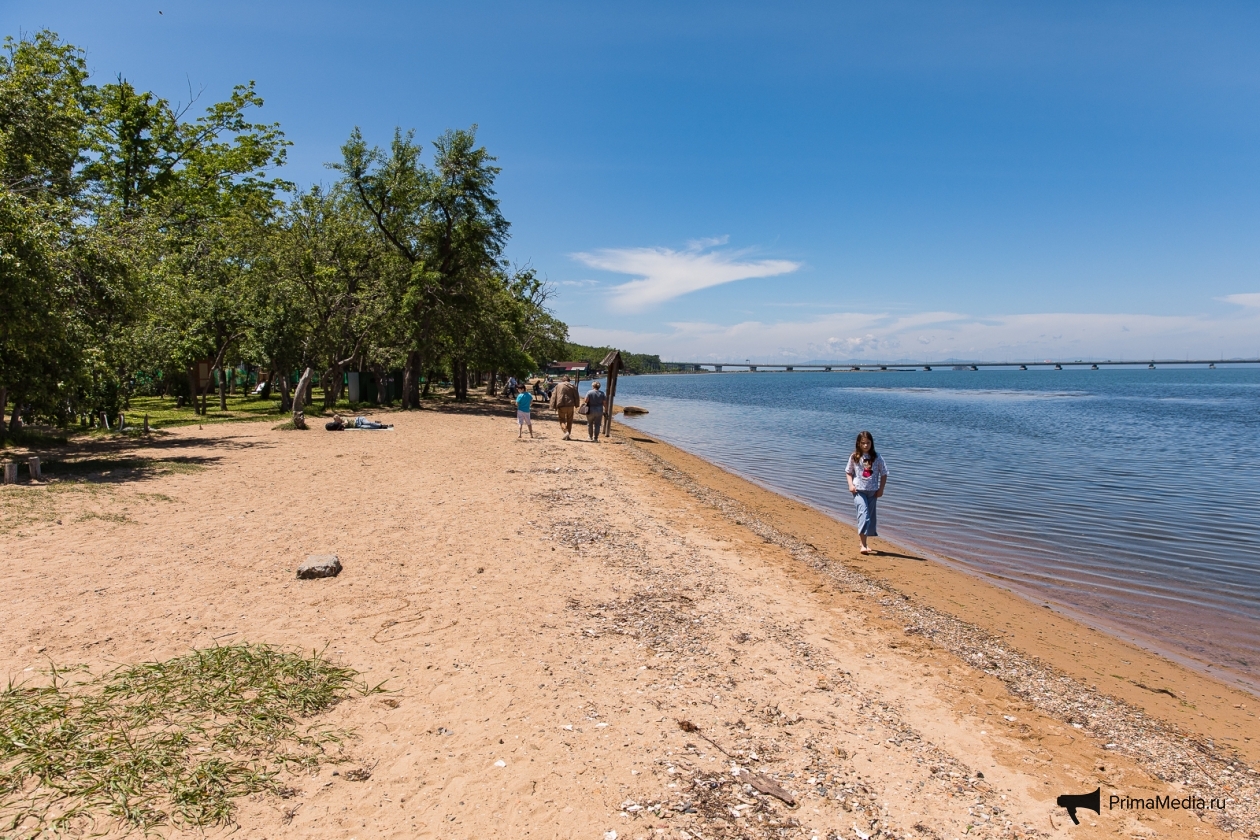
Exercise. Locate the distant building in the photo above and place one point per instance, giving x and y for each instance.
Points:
(568, 367)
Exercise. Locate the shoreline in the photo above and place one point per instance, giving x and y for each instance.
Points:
(1088, 608)
(1201, 701)
(582, 639)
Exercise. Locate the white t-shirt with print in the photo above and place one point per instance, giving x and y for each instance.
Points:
(866, 474)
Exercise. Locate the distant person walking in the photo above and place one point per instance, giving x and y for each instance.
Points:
(594, 403)
(867, 477)
(564, 399)
(524, 401)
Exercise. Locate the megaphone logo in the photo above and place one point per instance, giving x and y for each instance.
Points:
(1072, 801)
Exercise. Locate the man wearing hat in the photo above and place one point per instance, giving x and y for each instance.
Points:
(564, 400)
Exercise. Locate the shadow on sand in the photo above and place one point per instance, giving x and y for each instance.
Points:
(126, 459)
(881, 553)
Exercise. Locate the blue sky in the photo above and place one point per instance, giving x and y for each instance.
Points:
(793, 181)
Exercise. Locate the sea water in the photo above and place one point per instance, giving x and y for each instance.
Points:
(1130, 497)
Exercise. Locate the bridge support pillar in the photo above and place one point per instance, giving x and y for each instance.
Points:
(752, 368)
(717, 368)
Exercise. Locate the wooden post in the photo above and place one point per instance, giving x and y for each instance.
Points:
(32, 464)
(146, 422)
(10, 473)
(613, 362)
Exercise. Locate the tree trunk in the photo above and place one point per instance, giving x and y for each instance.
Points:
(265, 393)
(300, 399)
(427, 380)
(4, 399)
(382, 392)
(459, 378)
(417, 365)
(192, 388)
(332, 387)
(286, 402)
(493, 384)
(223, 389)
(15, 422)
(409, 381)
(303, 394)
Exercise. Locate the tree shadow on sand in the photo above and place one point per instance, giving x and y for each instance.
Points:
(120, 470)
(118, 460)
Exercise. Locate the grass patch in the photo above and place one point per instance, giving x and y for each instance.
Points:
(27, 505)
(117, 469)
(169, 743)
(117, 518)
(153, 497)
(163, 414)
(34, 438)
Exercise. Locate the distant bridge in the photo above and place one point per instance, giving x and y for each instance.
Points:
(719, 367)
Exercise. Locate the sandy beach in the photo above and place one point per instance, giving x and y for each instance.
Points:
(614, 640)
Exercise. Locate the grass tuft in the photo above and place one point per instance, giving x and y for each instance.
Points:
(162, 743)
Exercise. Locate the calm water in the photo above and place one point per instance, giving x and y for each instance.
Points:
(1131, 497)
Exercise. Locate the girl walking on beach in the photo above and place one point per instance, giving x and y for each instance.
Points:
(867, 476)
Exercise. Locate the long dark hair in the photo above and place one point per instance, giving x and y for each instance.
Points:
(857, 446)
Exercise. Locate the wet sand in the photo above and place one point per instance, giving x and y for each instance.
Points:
(584, 639)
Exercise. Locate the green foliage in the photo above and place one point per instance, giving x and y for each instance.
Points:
(162, 743)
(45, 103)
(634, 362)
(141, 242)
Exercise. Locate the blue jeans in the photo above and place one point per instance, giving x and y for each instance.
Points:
(864, 501)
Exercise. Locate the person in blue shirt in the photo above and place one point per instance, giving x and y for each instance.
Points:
(523, 402)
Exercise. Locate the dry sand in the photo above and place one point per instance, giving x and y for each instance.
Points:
(587, 639)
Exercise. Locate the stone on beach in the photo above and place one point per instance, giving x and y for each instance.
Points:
(319, 566)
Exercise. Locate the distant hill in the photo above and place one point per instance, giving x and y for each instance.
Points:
(634, 362)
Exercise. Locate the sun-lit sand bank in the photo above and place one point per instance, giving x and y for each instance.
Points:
(588, 639)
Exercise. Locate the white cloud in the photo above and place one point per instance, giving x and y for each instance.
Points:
(935, 336)
(1251, 299)
(664, 274)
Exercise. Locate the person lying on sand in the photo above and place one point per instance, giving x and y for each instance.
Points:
(338, 423)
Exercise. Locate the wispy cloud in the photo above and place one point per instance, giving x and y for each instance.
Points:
(1251, 299)
(664, 273)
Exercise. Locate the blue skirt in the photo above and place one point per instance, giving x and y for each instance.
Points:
(865, 504)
